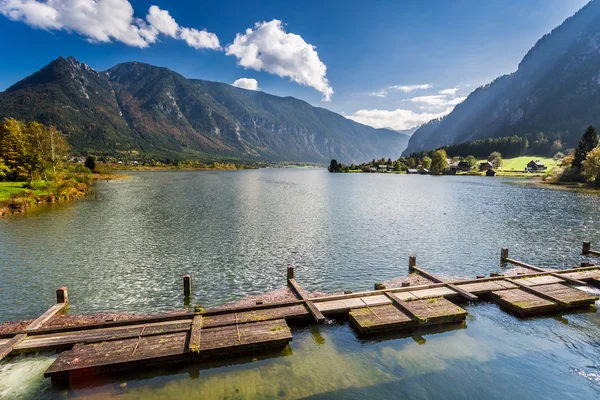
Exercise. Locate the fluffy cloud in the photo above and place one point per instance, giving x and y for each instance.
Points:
(162, 21)
(199, 39)
(268, 47)
(410, 88)
(396, 119)
(104, 21)
(246, 83)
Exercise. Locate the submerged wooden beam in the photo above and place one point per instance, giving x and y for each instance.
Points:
(62, 298)
(299, 290)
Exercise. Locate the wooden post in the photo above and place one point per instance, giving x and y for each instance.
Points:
(290, 272)
(412, 262)
(62, 295)
(187, 285)
(503, 256)
(379, 286)
(586, 248)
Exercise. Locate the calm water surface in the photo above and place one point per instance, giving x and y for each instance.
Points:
(235, 233)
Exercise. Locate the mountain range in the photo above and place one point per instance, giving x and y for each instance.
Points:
(556, 89)
(138, 110)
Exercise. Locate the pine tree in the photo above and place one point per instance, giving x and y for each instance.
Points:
(588, 142)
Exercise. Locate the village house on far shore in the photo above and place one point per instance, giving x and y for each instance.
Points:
(536, 165)
(486, 165)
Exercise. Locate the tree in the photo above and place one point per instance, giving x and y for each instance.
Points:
(472, 161)
(50, 144)
(588, 142)
(426, 162)
(558, 156)
(439, 162)
(17, 152)
(496, 158)
(3, 170)
(493, 156)
(590, 168)
(90, 163)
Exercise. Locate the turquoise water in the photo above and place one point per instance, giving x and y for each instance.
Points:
(236, 232)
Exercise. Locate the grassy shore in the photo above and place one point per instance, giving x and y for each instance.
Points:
(8, 189)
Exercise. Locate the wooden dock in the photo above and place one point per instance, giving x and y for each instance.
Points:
(101, 348)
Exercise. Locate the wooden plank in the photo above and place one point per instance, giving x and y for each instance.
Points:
(481, 288)
(151, 351)
(196, 334)
(379, 318)
(433, 311)
(523, 303)
(376, 300)
(402, 306)
(317, 315)
(51, 312)
(68, 339)
(435, 278)
(463, 293)
(339, 306)
(536, 292)
(568, 295)
(539, 280)
(7, 347)
(436, 292)
(428, 275)
(554, 274)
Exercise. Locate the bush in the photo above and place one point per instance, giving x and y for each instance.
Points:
(571, 174)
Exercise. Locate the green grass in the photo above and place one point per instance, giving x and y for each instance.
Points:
(9, 188)
(520, 163)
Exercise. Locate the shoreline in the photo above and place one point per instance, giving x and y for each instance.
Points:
(25, 199)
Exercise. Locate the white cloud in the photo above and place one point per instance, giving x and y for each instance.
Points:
(396, 119)
(199, 39)
(104, 21)
(450, 92)
(380, 93)
(246, 83)
(410, 88)
(162, 21)
(438, 100)
(268, 47)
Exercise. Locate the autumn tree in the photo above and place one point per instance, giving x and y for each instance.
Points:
(590, 168)
(17, 152)
(51, 144)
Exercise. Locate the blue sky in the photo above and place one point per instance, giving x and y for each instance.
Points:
(385, 63)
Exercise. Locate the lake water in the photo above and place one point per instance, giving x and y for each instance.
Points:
(236, 232)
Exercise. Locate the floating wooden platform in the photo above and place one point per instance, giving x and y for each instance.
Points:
(158, 350)
(100, 348)
(406, 315)
(379, 318)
